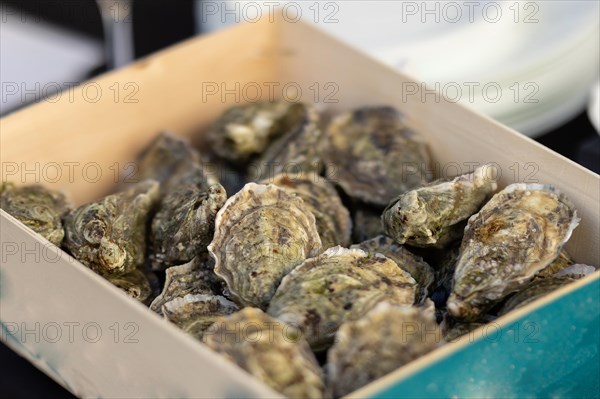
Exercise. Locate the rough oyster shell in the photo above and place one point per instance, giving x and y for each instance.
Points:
(385, 339)
(184, 224)
(135, 284)
(406, 260)
(246, 130)
(374, 157)
(332, 218)
(269, 350)
(563, 261)
(36, 207)
(434, 215)
(336, 286)
(109, 235)
(173, 162)
(194, 314)
(192, 278)
(261, 234)
(297, 151)
(534, 290)
(518, 233)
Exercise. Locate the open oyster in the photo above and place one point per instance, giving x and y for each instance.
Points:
(36, 207)
(406, 260)
(192, 278)
(261, 234)
(385, 339)
(336, 286)
(297, 151)
(173, 162)
(366, 223)
(246, 130)
(194, 314)
(135, 284)
(434, 215)
(184, 224)
(269, 350)
(374, 157)
(518, 233)
(332, 218)
(109, 235)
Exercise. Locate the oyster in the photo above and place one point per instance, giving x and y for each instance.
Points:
(246, 131)
(195, 313)
(184, 224)
(562, 262)
(385, 339)
(261, 234)
(518, 233)
(534, 290)
(269, 350)
(36, 207)
(374, 157)
(435, 215)
(297, 151)
(339, 285)
(332, 218)
(135, 284)
(192, 278)
(109, 235)
(406, 260)
(366, 223)
(173, 162)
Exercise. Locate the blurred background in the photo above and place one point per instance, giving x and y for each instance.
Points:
(532, 65)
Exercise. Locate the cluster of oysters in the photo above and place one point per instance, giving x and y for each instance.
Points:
(317, 255)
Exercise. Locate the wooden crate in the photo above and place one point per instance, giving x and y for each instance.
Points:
(80, 141)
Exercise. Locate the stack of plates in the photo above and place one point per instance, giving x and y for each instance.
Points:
(528, 64)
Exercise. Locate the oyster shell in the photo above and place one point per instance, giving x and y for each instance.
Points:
(336, 286)
(297, 151)
(434, 215)
(194, 314)
(374, 157)
(332, 218)
(192, 278)
(534, 290)
(109, 235)
(246, 130)
(261, 234)
(406, 260)
(269, 350)
(173, 162)
(184, 224)
(36, 207)
(366, 223)
(576, 271)
(562, 262)
(385, 339)
(518, 233)
(135, 284)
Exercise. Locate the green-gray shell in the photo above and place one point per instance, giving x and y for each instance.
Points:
(518, 233)
(36, 207)
(338, 285)
(109, 235)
